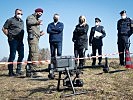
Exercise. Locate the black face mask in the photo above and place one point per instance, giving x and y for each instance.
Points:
(38, 16)
(55, 20)
(80, 21)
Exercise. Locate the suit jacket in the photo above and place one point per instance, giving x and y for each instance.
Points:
(96, 41)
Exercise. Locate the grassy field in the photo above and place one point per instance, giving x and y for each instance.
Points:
(115, 85)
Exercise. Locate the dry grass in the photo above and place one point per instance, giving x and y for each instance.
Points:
(115, 85)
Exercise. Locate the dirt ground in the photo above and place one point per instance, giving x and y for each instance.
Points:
(115, 85)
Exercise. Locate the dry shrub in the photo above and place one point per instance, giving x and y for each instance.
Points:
(114, 64)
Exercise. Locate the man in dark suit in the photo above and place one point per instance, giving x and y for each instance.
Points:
(95, 40)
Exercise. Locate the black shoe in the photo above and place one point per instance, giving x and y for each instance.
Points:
(19, 73)
(122, 64)
(12, 74)
(93, 64)
(99, 63)
(28, 74)
(36, 74)
(80, 66)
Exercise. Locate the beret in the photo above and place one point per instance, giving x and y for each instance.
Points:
(39, 10)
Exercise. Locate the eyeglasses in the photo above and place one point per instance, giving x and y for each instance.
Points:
(19, 14)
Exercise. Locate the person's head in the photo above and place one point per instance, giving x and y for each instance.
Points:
(82, 20)
(39, 12)
(18, 13)
(56, 17)
(97, 21)
(123, 14)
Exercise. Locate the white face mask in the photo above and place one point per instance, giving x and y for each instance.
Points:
(96, 24)
(123, 17)
(19, 16)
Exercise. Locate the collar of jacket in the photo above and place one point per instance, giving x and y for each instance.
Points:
(35, 16)
(54, 23)
(17, 18)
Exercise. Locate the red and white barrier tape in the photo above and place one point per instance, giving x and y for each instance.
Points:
(26, 62)
(105, 55)
(48, 61)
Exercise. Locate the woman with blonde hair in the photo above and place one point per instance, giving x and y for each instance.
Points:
(80, 40)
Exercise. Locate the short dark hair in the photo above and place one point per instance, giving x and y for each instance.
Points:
(56, 14)
(17, 10)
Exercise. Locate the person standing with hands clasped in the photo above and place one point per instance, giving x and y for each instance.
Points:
(97, 33)
(14, 30)
(33, 29)
(80, 40)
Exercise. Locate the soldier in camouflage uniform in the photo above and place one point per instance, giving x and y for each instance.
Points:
(33, 28)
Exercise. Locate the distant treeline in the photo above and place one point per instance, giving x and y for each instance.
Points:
(44, 54)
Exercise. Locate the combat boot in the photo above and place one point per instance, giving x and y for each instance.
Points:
(28, 70)
(18, 70)
(11, 73)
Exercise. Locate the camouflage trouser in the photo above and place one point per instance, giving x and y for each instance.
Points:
(33, 52)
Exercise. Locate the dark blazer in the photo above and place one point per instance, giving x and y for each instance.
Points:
(96, 41)
(55, 32)
(80, 37)
(124, 27)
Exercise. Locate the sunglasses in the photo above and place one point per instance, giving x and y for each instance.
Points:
(19, 14)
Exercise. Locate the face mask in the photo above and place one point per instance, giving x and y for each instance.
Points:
(55, 20)
(19, 16)
(123, 17)
(81, 21)
(38, 15)
(96, 24)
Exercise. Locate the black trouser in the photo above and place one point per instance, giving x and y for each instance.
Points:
(123, 44)
(94, 49)
(81, 54)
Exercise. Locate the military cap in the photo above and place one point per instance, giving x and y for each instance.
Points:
(97, 19)
(122, 12)
(39, 10)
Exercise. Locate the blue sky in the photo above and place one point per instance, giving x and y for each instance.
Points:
(69, 10)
